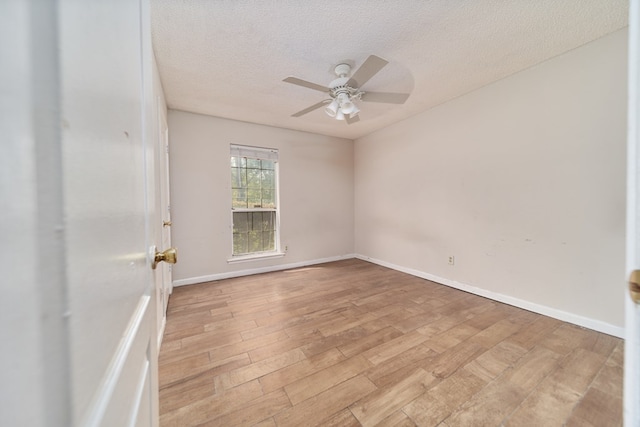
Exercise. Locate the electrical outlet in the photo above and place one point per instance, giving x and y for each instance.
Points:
(452, 260)
(286, 248)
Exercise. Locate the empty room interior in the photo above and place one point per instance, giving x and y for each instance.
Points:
(393, 213)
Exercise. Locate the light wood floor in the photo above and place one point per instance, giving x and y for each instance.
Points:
(352, 343)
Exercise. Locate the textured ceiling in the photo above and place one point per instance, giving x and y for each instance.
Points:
(228, 58)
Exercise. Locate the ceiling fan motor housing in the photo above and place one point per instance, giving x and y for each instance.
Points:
(350, 92)
(342, 70)
(339, 89)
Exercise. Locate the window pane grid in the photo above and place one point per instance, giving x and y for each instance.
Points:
(253, 200)
(253, 183)
(253, 232)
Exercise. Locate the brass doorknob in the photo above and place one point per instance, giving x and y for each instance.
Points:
(166, 223)
(170, 255)
(634, 286)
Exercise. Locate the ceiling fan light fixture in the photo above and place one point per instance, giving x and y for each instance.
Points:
(347, 107)
(332, 109)
(344, 91)
(355, 112)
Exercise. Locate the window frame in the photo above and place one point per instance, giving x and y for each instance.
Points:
(252, 152)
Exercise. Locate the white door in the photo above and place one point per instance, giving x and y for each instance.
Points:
(166, 207)
(164, 280)
(632, 326)
(77, 184)
(111, 214)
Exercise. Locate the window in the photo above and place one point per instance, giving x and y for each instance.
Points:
(254, 201)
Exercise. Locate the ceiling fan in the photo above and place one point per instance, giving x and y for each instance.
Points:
(345, 90)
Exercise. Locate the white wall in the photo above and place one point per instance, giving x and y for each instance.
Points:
(316, 194)
(34, 378)
(523, 181)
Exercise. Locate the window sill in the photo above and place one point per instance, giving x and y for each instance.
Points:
(256, 257)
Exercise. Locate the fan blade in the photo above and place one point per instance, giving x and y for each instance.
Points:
(387, 97)
(304, 83)
(309, 109)
(370, 68)
(352, 120)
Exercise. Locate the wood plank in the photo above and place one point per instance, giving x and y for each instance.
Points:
(320, 381)
(180, 325)
(609, 379)
(369, 341)
(302, 369)
(258, 369)
(494, 362)
(397, 419)
(343, 418)
(423, 359)
(489, 407)
(202, 343)
(448, 362)
(212, 406)
(451, 337)
(169, 373)
(531, 369)
(276, 347)
(528, 336)
(269, 422)
(316, 409)
(597, 409)
(186, 390)
(495, 333)
(415, 322)
(382, 403)
(549, 402)
(244, 346)
(567, 337)
(389, 349)
(558, 393)
(495, 402)
(578, 369)
(261, 409)
(344, 322)
(439, 402)
(341, 338)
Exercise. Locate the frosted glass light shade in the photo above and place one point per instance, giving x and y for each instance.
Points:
(347, 107)
(332, 109)
(345, 103)
(355, 111)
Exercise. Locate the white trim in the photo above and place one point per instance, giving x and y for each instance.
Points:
(102, 397)
(161, 331)
(254, 209)
(142, 382)
(576, 319)
(262, 153)
(631, 384)
(255, 257)
(239, 273)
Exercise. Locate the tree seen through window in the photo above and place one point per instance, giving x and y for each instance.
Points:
(254, 199)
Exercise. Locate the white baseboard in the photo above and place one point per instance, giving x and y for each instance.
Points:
(239, 273)
(586, 322)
